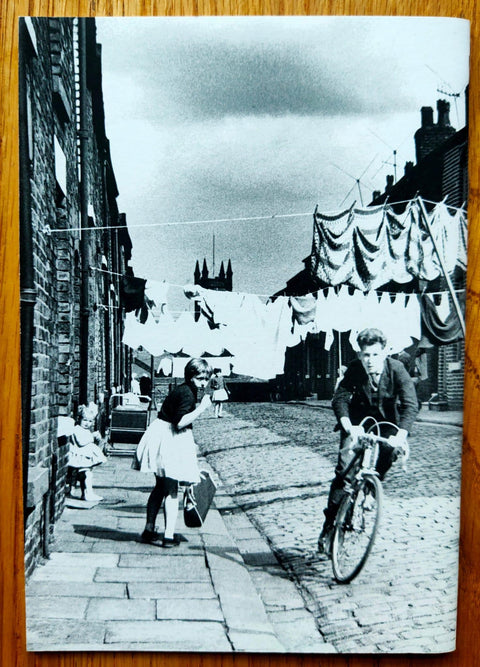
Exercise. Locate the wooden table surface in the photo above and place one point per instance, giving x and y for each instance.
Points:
(12, 612)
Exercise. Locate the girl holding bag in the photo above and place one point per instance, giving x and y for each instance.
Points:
(168, 449)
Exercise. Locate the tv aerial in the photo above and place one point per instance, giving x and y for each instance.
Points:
(447, 90)
(358, 180)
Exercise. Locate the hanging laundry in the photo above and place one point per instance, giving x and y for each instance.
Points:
(156, 292)
(155, 336)
(368, 317)
(195, 293)
(165, 365)
(179, 363)
(133, 332)
(442, 305)
(132, 292)
(413, 316)
(436, 331)
(367, 248)
(259, 347)
(304, 308)
(256, 334)
(397, 316)
(462, 241)
(326, 302)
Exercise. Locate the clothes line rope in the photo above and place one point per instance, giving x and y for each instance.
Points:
(49, 230)
(268, 296)
(427, 201)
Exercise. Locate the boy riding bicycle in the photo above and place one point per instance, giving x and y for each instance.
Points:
(374, 385)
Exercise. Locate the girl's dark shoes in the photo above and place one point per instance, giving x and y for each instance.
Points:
(169, 542)
(151, 537)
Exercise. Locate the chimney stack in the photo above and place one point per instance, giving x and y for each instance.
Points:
(430, 136)
(443, 108)
(427, 116)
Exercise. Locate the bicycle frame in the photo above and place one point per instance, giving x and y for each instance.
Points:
(353, 538)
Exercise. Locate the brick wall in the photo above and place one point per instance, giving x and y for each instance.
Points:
(53, 96)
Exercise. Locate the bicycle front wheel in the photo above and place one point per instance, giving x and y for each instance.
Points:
(355, 528)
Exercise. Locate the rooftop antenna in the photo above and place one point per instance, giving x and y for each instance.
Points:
(394, 153)
(357, 181)
(449, 92)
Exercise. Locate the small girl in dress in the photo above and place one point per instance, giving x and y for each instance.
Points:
(84, 453)
(167, 448)
(220, 394)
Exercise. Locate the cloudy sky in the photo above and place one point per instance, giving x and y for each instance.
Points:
(221, 118)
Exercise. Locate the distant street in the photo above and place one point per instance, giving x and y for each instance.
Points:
(276, 462)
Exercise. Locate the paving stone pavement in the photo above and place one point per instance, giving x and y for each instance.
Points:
(221, 590)
(276, 461)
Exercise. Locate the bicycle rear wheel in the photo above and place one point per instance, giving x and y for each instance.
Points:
(356, 526)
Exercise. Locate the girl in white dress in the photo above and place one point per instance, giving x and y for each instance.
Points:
(84, 453)
(167, 448)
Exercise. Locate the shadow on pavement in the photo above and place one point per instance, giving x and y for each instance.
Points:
(103, 533)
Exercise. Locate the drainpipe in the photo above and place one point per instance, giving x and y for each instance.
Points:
(84, 240)
(27, 285)
(106, 289)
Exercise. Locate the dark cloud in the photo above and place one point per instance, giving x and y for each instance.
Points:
(197, 70)
(230, 81)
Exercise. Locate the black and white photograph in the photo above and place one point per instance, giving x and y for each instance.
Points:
(243, 256)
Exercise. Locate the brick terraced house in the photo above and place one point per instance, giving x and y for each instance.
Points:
(440, 171)
(71, 319)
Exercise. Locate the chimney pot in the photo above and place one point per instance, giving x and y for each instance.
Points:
(427, 116)
(443, 108)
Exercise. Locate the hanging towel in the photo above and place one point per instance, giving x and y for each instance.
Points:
(436, 331)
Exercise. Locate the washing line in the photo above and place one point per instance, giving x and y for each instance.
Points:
(322, 290)
(48, 230)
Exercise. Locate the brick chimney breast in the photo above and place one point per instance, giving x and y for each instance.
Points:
(443, 108)
(427, 116)
(429, 136)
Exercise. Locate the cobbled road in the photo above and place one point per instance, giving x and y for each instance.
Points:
(276, 462)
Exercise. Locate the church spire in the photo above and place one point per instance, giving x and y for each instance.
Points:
(204, 269)
(229, 275)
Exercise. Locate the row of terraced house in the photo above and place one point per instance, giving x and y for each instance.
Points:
(71, 320)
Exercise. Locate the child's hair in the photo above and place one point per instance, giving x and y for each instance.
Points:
(197, 367)
(89, 411)
(370, 337)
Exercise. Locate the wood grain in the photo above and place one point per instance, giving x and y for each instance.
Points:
(12, 613)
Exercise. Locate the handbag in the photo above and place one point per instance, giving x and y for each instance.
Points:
(197, 500)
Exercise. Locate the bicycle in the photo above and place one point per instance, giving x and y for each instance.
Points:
(358, 516)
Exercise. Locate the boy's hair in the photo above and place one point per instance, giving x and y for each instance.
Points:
(370, 337)
(197, 367)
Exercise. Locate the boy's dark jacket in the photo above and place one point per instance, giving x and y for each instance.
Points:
(396, 392)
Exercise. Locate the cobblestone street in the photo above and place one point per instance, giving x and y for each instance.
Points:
(276, 462)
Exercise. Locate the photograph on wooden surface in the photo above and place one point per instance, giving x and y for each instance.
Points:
(243, 260)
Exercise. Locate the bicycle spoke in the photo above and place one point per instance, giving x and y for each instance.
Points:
(355, 530)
